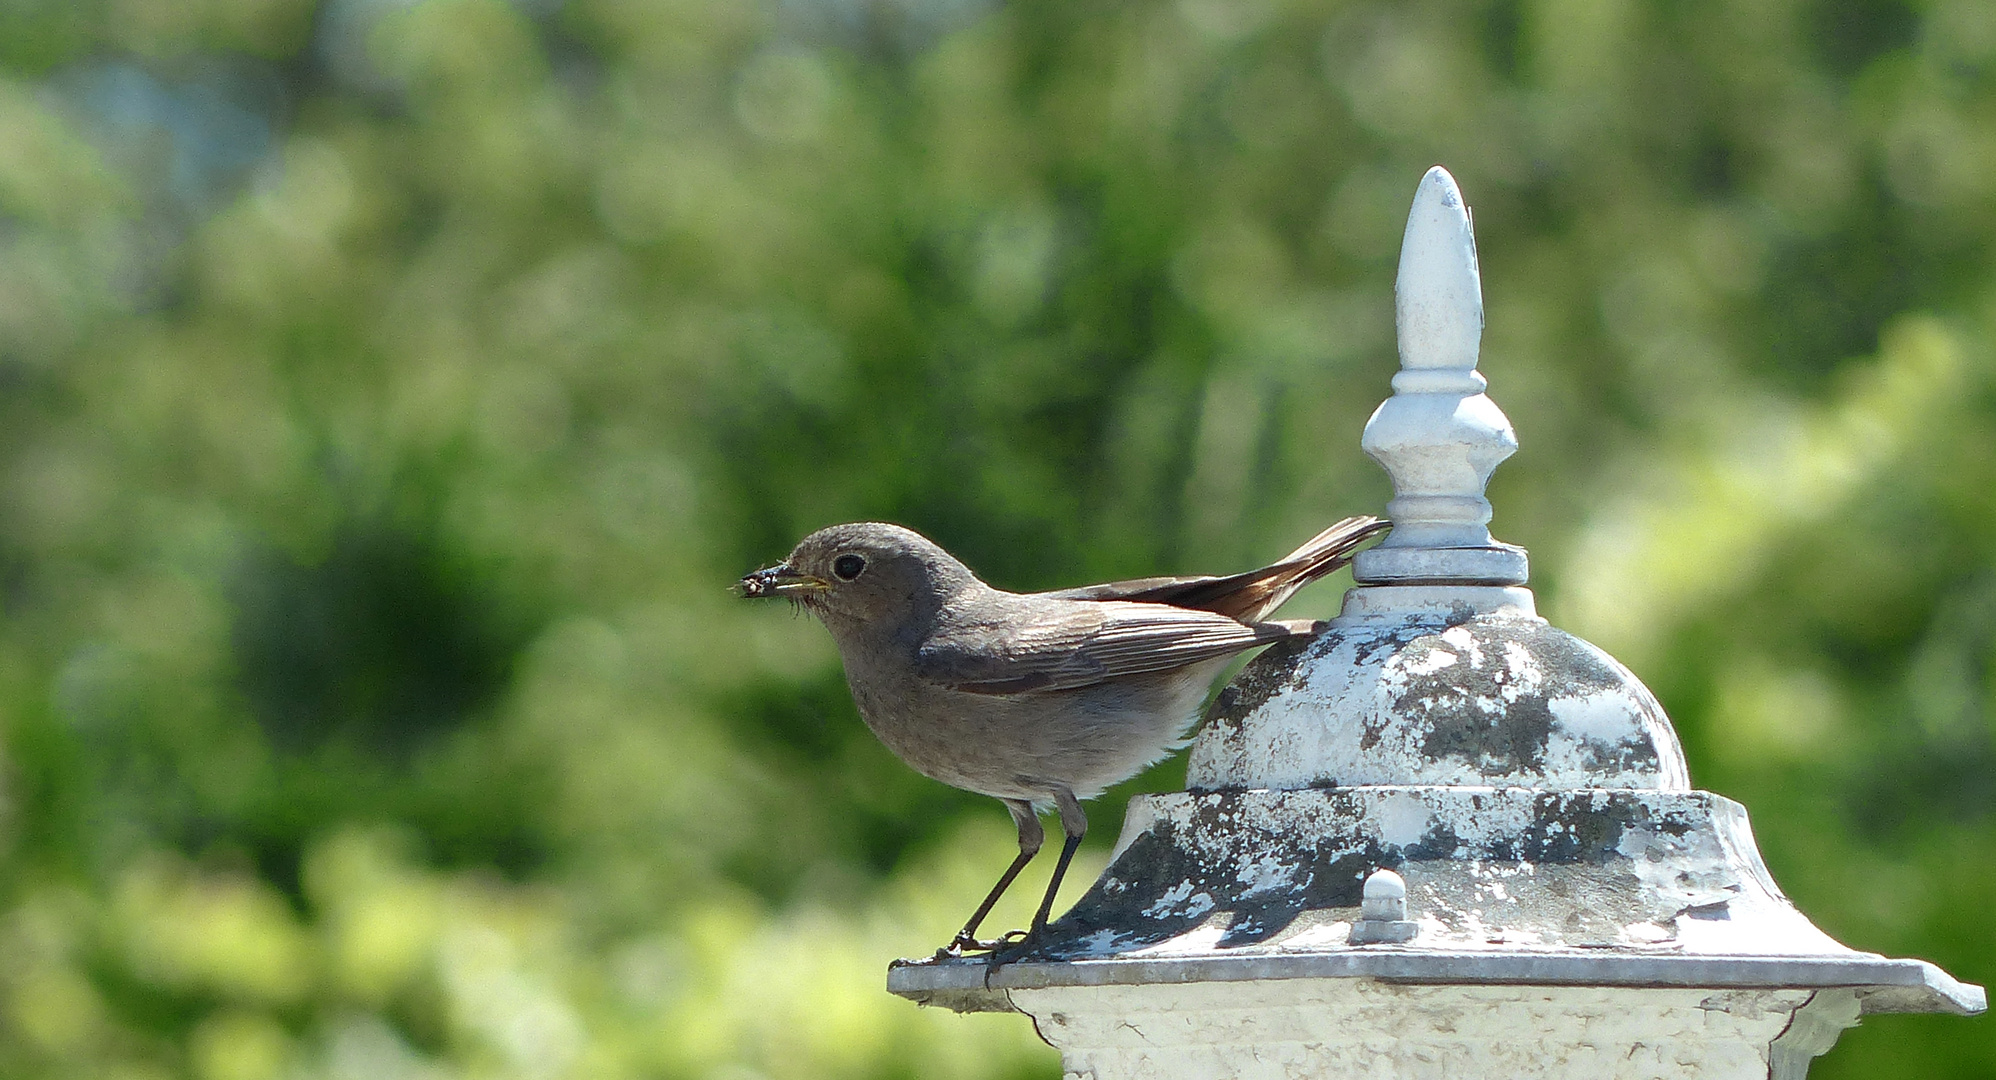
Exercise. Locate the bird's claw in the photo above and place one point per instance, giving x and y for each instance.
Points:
(964, 944)
(1013, 946)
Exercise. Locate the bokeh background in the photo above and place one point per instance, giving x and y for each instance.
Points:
(390, 391)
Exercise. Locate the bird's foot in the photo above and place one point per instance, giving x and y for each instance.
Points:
(1014, 945)
(965, 944)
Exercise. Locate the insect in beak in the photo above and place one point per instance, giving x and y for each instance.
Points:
(781, 580)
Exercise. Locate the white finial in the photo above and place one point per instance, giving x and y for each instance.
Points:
(1438, 436)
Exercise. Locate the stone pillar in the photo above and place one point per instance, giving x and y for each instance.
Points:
(1444, 838)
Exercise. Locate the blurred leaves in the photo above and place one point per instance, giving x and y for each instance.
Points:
(391, 389)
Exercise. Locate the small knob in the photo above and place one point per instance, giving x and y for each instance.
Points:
(1382, 912)
(1385, 897)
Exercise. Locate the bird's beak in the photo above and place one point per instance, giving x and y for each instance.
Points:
(781, 580)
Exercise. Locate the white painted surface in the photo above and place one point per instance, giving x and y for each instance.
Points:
(1438, 293)
(1306, 1028)
(1396, 602)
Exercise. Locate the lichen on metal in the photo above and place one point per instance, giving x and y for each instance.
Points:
(1481, 699)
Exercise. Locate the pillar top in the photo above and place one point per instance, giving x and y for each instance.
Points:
(1443, 791)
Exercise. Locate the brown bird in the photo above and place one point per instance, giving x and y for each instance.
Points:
(1037, 699)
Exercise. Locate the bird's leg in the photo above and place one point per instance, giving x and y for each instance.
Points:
(1074, 823)
(1031, 836)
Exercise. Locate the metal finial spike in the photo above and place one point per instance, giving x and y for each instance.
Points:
(1439, 436)
(1438, 296)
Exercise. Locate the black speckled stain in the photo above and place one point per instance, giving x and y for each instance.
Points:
(1450, 701)
(1206, 857)
(1331, 875)
(1277, 668)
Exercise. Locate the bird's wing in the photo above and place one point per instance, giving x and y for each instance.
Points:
(1152, 590)
(1072, 644)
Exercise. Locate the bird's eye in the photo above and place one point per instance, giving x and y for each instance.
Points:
(848, 567)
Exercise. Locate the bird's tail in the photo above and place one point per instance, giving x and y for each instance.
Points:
(1253, 595)
(1322, 554)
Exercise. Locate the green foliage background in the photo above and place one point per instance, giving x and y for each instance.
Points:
(389, 390)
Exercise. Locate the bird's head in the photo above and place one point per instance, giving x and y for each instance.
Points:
(864, 572)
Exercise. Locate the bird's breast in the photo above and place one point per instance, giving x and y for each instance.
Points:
(1025, 745)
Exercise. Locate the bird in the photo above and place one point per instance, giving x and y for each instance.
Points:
(1040, 700)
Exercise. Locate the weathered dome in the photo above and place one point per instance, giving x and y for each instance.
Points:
(1482, 695)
